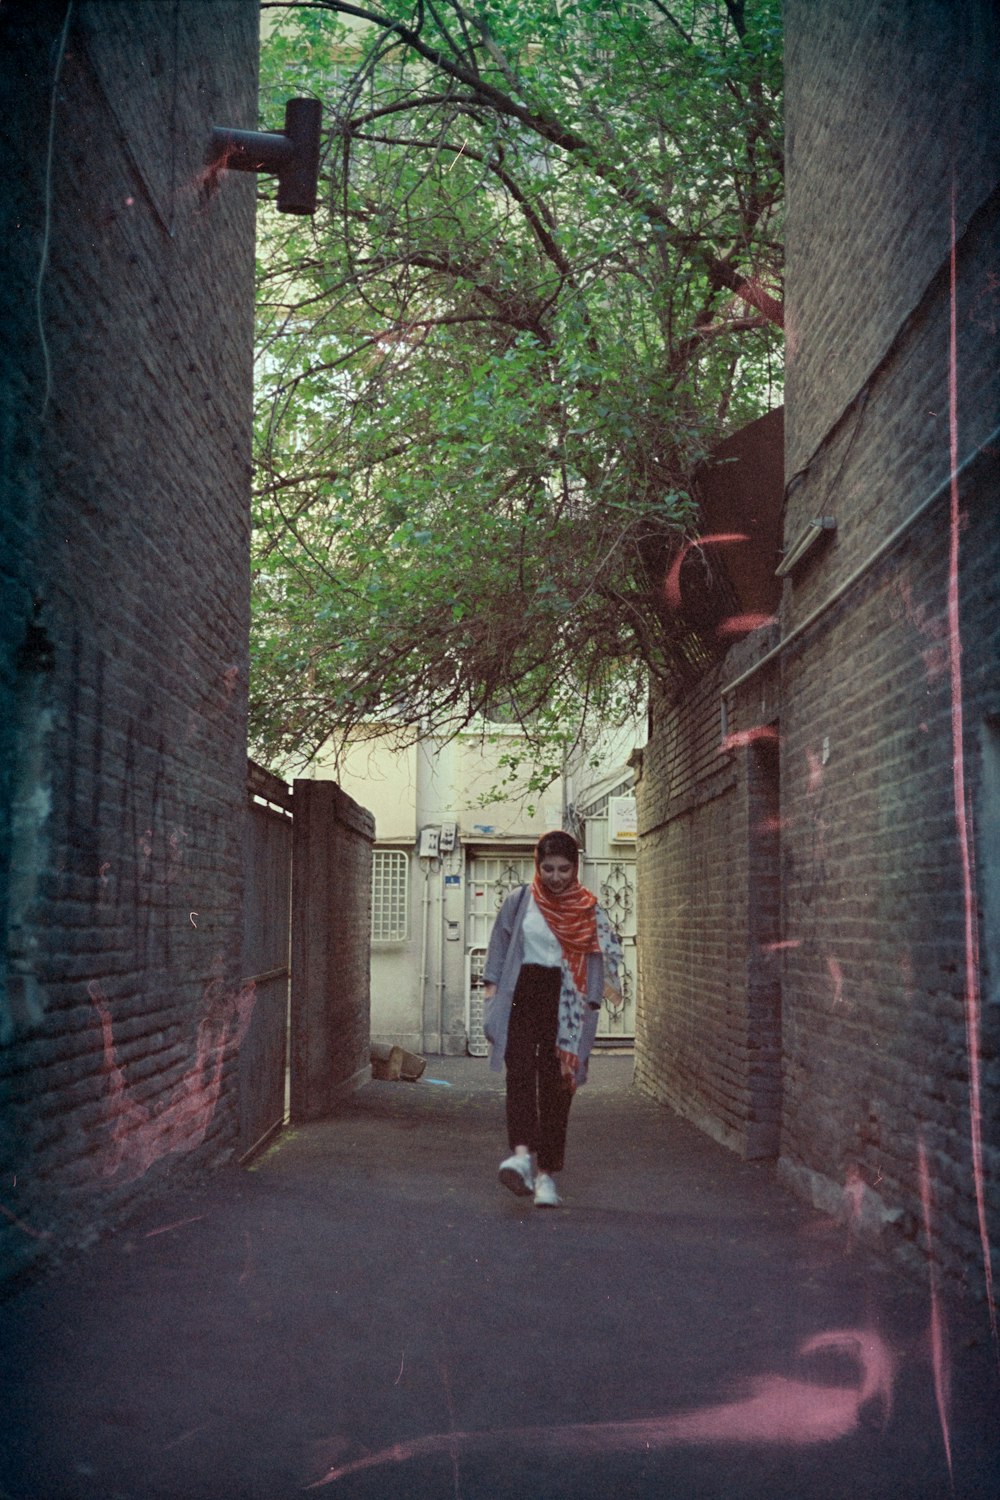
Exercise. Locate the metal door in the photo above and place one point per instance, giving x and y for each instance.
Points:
(612, 880)
(489, 880)
(266, 935)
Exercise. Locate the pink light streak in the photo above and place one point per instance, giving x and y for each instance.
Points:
(743, 624)
(963, 820)
(854, 1197)
(166, 1228)
(836, 974)
(797, 1413)
(139, 1136)
(672, 582)
(815, 773)
(741, 737)
(36, 1234)
(939, 1354)
(754, 292)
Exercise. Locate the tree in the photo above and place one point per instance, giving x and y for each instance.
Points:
(544, 281)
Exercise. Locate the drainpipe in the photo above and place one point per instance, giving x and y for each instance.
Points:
(440, 959)
(425, 910)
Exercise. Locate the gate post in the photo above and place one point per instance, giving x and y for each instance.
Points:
(332, 841)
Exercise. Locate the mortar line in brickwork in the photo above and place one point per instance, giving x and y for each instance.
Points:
(943, 488)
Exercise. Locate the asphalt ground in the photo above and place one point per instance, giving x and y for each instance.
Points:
(366, 1311)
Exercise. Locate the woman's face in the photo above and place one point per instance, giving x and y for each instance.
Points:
(557, 872)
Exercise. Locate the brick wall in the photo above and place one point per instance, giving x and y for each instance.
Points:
(877, 1056)
(331, 946)
(889, 716)
(126, 436)
(708, 1017)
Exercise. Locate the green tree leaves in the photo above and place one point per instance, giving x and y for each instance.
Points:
(543, 283)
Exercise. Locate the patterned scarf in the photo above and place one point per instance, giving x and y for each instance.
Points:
(572, 917)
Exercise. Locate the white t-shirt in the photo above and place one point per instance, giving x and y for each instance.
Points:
(541, 946)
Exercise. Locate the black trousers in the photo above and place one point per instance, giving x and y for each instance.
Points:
(537, 1099)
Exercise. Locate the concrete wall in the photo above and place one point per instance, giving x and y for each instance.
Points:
(125, 435)
(887, 705)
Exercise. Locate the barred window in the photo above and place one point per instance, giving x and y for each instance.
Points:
(390, 896)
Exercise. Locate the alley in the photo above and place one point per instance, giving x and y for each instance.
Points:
(367, 1307)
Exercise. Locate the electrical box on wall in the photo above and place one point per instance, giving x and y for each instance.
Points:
(449, 834)
(430, 843)
(622, 820)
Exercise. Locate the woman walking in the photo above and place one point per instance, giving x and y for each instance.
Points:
(552, 958)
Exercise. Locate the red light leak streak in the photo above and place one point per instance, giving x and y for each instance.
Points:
(854, 1197)
(672, 582)
(780, 946)
(777, 1410)
(747, 736)
(939, 1354)
(166, 1228)
(962, 819)
(815, 773)
(837, 977)
(454, 1447)
(140, 1137)
(36, 1234)
(753, 292)
(744, 624)
(185, 1437)
(206, 182)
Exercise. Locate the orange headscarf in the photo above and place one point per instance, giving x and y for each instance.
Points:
(572, 917)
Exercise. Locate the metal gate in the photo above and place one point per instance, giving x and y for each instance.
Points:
(613, 883)
(266, 964)
(490, 878)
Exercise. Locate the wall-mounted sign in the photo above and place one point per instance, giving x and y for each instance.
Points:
(622, 822)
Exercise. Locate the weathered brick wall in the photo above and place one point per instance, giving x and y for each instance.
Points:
(875, 990)
(126, 436)
(331, 946)
(708, 1017)
(887, 106)
(888, 716)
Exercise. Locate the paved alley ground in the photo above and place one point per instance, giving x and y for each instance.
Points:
(367, 1311)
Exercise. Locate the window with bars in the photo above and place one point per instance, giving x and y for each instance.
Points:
(390, 896)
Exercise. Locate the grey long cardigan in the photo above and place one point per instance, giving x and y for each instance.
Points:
(504, 958)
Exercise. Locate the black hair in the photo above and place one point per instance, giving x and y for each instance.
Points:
(558, 845)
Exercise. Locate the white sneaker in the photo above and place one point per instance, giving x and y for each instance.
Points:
(515, 1173)
(545, 1192)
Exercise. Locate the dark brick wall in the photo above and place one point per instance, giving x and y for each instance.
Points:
(125, 423)
(874, 994)
(870, 977)
(887, 106)
(708, 1019)
(331, 946)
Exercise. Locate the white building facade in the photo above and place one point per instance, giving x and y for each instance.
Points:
(455, 832)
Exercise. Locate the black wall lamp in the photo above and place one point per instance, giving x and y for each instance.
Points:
(293, 154)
